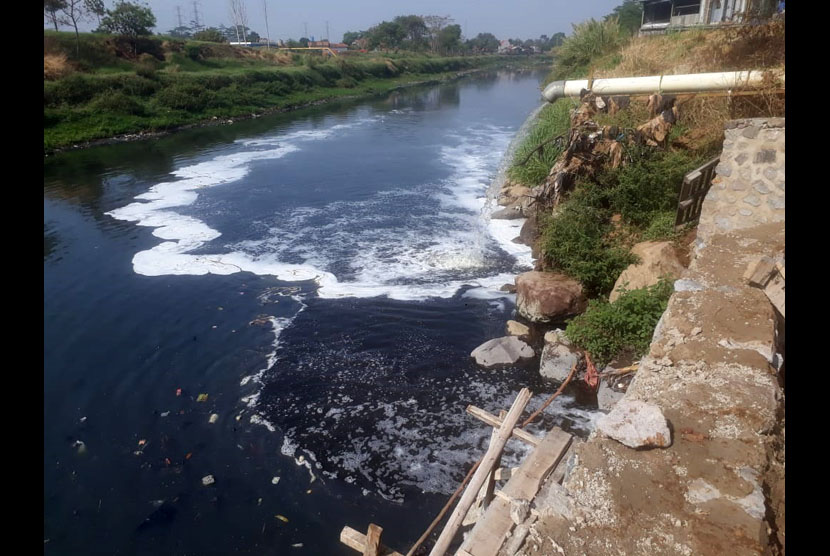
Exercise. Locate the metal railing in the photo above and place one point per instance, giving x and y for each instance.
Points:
(695, 186)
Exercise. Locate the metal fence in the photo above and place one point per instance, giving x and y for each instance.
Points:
(695, 186)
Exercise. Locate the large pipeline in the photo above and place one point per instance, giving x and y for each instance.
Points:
(687, 83)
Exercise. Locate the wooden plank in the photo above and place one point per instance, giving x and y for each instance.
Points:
(490, 531)
(476, 482)
(494, 421)
(357, 540)
(491, 476)
(372, 540)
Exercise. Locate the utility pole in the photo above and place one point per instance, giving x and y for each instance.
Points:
(327, 30)
(267, 32)
(196, 23)
(305, 26)
(179, 15)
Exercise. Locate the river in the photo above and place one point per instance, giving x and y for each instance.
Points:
(322, 277)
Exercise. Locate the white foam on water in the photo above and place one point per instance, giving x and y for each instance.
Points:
(405, 264)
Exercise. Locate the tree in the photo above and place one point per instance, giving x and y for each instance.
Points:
(557, 39)
(449, 38)
(180, 32)
(415, 31)
(96, 8)
(211, 34)
(129, 19)
(386, 35)
(629, 14)
(74, 12)
(52, 9)
(483, 42)
(350, 36)
(434, 24)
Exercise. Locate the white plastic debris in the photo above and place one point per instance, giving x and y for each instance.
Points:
(213, 418)
(208, 480)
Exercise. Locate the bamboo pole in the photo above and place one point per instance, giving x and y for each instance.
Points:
(469, 496)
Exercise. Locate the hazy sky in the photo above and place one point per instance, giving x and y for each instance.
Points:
(506, 18)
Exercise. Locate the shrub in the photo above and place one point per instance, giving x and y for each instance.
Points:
(55, 66)
(117, 102)
(193, 51)
(607, 329)
(345, 83)
(650, 185)
(577, 240)
(661, 227)
(185, 97)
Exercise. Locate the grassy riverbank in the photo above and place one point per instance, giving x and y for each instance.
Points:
(115, 86)
(590, 234)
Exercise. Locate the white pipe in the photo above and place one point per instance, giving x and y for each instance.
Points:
(688, 83)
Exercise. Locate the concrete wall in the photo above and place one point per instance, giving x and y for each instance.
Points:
(748, 189)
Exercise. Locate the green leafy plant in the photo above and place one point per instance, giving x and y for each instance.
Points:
(578, 241)
(606, 330)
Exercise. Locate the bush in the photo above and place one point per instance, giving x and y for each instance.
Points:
(117, 102)
(661, 227)
(578, 241)
(185, 97)
(193, 51)
(606, 330)
(650, 185)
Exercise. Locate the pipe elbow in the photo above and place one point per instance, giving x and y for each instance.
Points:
(554, 91)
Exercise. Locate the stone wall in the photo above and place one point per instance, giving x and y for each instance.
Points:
(748, 189)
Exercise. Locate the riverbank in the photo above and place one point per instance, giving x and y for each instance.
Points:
(115, 90)
(376, 87)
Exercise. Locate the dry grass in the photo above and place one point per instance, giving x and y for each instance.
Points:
(55, 66)
(696, 51)
(273, 56)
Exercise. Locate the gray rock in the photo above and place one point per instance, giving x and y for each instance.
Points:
(607, 397)
(515, 328)
(557, 360)
(765, 155)
(506, 350)
(636, 424)
(509, 213)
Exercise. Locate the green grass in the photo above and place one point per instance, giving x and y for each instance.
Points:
(553, 120)
(606, 330)
(166, 84)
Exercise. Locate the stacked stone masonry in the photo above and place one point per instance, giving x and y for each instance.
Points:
(748, 189)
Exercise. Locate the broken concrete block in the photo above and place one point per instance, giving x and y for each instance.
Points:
(636, 424)
(759, 271)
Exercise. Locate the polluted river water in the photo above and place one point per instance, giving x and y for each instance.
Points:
(288, 305)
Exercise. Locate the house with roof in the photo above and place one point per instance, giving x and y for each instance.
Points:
(665, 15)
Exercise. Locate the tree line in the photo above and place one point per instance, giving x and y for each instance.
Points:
(437, 34)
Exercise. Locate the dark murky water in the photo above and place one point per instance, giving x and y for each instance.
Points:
(322, 276)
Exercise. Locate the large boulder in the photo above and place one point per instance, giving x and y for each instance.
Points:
(636, 424)
(557, 357)
(498, 352)
(547, 296)
(529, 231)
(657, 258)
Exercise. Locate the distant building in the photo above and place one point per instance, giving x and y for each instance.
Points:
(319, 44)
(339, 47)
(663, 15)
